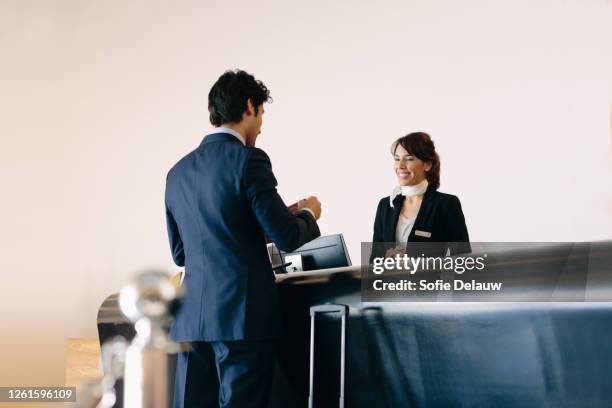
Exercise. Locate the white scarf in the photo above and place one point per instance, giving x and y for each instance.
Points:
(409, 191)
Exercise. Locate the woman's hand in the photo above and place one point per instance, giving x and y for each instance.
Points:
(393, 252)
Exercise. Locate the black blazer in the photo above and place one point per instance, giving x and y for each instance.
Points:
(221, 201)
(440, 219)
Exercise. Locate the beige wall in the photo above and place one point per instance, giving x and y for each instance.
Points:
(99, 98)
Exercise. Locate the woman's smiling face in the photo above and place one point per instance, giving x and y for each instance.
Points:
(409, 169)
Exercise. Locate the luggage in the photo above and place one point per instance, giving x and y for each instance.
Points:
(328, 308)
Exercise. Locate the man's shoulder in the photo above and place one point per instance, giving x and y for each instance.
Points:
(180, 165)
(199, 153)
(256, 158)
(256, 152)
(237, 151)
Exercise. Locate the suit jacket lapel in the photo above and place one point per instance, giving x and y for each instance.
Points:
(424, 213)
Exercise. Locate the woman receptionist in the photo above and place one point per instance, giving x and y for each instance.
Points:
(416, 212)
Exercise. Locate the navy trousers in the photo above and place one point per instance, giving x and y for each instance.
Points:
(232, 374)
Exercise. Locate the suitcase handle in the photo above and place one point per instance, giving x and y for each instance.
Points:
(328, 308)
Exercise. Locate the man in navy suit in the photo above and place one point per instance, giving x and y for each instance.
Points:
(221, 202)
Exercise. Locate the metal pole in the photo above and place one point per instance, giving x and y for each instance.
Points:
(312, 340)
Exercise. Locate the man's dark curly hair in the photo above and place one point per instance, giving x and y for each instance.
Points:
(227, 99)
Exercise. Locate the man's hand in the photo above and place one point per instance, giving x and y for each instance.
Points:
(313, 204)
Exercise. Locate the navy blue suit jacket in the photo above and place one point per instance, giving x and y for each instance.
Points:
(221, 200)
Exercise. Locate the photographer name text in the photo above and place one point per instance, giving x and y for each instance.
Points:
(439, 285)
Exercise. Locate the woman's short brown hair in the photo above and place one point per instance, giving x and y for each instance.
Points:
(420, 145)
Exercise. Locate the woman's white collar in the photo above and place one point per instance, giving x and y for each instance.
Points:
(409, 191)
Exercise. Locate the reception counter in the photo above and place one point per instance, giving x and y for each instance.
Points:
(433, 354)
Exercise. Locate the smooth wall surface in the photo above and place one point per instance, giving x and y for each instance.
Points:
(99, 98)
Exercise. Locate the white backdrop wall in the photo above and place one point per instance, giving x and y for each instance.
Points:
(99, 98)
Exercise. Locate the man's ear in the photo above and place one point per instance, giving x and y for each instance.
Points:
(250, 108)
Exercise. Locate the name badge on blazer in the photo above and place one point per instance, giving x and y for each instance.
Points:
(422, 233)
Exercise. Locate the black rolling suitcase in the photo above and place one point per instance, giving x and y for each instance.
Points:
(328, 308)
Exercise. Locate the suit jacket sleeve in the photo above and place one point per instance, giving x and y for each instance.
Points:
(378, 246)
(286, 230)
(458, 233)
(176, 243)
(378, 222)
